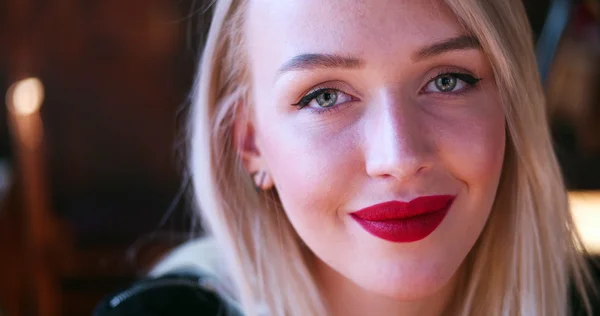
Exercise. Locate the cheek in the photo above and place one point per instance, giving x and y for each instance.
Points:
(312, 172)
(474, 151)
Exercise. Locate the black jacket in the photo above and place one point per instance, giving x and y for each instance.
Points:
(176, 294)
(185, 293)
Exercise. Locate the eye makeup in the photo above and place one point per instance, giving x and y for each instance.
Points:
(327, 97)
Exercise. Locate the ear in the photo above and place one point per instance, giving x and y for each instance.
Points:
(246, 145)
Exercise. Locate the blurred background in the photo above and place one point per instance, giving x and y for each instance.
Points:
(92, 183)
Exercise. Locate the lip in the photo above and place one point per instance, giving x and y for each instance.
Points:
(411, 221)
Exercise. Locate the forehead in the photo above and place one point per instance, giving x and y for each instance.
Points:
(284, 28)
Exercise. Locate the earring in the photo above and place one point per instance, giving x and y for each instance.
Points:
(259, 179)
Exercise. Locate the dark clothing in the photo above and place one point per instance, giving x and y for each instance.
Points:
(183, 294)
(177, 294)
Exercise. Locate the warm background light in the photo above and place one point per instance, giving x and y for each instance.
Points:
(585, 207)
(26, 96)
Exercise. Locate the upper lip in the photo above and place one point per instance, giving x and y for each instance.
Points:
(399, 210)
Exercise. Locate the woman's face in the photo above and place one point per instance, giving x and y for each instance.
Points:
(359, 103)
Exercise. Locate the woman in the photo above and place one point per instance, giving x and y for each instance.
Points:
(372, 158)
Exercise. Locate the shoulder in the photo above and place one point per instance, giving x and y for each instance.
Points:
(197, 254)
(578, 307)
(190, 280)
(171, 294)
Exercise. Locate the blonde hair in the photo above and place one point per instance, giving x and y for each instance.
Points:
(526, 256)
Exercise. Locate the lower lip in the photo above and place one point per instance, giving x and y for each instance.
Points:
(407, 229)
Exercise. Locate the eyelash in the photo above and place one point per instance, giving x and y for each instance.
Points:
(311, 95)
(470, 80)
(314, 93)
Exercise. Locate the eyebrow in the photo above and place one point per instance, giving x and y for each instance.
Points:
(456, 43)
(320, 61)
(325, 61)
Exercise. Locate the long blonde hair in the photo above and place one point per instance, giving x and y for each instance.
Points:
(525, 258)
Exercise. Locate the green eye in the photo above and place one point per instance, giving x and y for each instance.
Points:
(445, 83)
(450, 83)
(327, 98)
(324, 98)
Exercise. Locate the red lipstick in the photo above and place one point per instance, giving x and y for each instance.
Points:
(405, 221)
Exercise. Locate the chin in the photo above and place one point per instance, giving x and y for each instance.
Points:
(401, 282)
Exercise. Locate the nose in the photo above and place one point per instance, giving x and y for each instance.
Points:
(398, 144)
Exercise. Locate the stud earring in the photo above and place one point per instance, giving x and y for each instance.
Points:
(259, 180)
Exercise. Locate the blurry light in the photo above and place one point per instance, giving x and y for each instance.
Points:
(585, 207)
(25, 97)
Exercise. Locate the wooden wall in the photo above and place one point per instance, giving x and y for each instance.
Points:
(116, 76)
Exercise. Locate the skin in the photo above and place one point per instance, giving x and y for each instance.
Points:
(392, 135)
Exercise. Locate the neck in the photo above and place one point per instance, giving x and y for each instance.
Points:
(346, 298)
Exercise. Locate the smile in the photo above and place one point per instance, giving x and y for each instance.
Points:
(398, 221)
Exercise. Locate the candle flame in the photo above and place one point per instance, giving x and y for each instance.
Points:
(26, 96)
